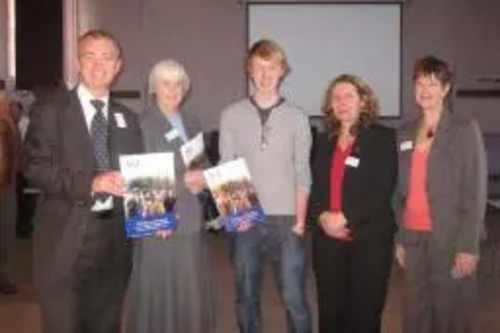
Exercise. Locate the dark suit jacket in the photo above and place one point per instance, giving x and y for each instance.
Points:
(59, 161)
(9, 154)
(456, 181)
(155, 126)
(367, 188)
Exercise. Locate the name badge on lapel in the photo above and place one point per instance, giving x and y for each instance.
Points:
(172, 135)
(352, 161)
(120, 120)
(406, 145)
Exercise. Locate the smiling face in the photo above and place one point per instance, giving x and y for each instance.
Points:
(169, 93)
(266, 74)
(345, 103)
(430, 92)
(98, 64)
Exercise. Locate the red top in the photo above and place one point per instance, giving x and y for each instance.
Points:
(337, 168)
(417, 213)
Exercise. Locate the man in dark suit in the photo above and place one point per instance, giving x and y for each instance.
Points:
(82, 257)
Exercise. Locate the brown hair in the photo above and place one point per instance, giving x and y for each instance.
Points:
(99, 34)
(370, 107)
(267, 49)
(432, 66)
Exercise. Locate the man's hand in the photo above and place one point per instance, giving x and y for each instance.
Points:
(194, 181)
(111, 182)
(245, 225)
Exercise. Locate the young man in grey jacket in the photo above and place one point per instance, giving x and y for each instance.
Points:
(274, 138)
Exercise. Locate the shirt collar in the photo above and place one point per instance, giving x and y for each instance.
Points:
(86, 95)
(278, 103)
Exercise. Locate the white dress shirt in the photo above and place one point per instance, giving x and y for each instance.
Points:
(85, 97)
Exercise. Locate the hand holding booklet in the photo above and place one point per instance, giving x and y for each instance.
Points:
(150, 196)
(193, 152)
(102, 203)
(234, 194)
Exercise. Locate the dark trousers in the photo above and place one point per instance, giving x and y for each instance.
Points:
(26, 207)
(89, 297)
(351, 283)
(286, 251)
(8, 212)
(65, 309)
(435, 302)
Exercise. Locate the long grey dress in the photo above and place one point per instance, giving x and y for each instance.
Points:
(171, 287)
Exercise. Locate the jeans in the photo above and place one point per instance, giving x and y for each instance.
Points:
(275, 239)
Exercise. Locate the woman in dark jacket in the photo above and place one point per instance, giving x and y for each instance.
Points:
(171, 282)
(354, 175)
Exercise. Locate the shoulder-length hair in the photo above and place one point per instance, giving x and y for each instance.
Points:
(369, 112)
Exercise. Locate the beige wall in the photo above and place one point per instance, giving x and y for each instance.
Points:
(467, 34)
(3, 39)
(209, 37)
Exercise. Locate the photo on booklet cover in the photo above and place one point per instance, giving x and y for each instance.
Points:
(149, 198)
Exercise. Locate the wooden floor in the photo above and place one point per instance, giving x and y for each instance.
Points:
(19, 313)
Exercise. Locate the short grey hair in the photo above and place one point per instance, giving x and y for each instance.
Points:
(169, 70)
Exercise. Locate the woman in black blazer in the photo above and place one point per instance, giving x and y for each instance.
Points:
(354, 175)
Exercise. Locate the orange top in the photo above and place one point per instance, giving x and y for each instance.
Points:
(417, 214)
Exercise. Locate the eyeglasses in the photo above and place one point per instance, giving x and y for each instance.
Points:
(264, 137)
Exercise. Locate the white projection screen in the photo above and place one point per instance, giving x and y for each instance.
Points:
(322, 41)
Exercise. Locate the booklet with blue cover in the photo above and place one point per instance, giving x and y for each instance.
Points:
(150, 196)
(234, 194)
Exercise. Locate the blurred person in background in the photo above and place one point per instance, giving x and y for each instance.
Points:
(10, 144)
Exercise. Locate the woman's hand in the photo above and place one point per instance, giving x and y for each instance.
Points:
(465, 264)
(343, 234)
(332, 223)
(194, 181)
(399, 253)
